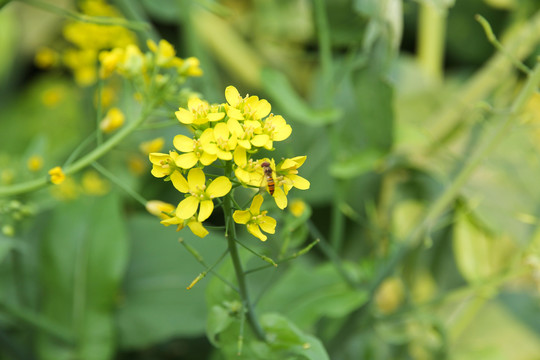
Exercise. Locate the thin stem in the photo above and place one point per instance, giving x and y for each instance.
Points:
(109, 175)
(431, 32)
(493, 40)
(82, 162)
(230, 234)
(325, 47)
(99, 20)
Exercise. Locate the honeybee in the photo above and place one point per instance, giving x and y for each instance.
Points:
(268, 175)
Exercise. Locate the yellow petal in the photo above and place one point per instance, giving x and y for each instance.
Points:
(241, 216)
(183, 143)
(280, 198)
(282, 133)
(224, 155)
(260, 140)
(186, 161)
(196, 179)
(263, 109)
(268, 224)
(256, 204)
(205, 210)
(232, 95)
(215, 116)
(179, 182)
(184, 116)
(197, 228)
(255, 231)
(219, 187)
(235, 127)
(240, 157)
(206, 158)
(221, 131)
(299, 182)
(187, 207)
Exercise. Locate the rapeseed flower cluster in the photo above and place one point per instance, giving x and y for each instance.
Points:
(228, 136)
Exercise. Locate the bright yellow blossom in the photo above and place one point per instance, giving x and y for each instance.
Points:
(193, 151)
(152, 146)
(249, 172)
(248, 108)
(163, 164)
(113, 120)
(189, 67)
(276, 129)
(246, 131)
(201, 194)
(165, 53)
(286, 177)
(199, 113)
(219, 141)
(255, 220)
(57, 175)
(110, 61)
(194, 225)
(160, 209)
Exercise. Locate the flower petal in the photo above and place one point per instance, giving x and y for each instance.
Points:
(255, 231)
(206, 158)
(197, 228)
(256, 204)
(196, 179)
(263, 109)
(187, 207)
(240, 157)
(179, 182)
(205, 210)
(186, 161)
(184, 116)
(268, 224)
(183, 143)
(260, 140)
(299, 182)
(241, 216)
(219, 187)
(232, 95)
(280, 198)
(221, 131)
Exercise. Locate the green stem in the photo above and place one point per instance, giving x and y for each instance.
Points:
(28, 317)
(445, 123)
(230, 234)
(82, 162)
(99, 20)
(431, 33)
(109, 175)
(325, 47)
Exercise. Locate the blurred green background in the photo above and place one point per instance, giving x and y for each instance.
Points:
(424, 187)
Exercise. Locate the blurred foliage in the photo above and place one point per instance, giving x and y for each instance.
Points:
(426, 211)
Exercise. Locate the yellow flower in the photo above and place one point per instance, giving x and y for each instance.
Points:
(194, 151)
(152, 146)
(194, 225)
(164, 51)
(133, 63)
(276, 129)
(249, 172)
(246, 131)
(160, 209)
(93, 184)
(57, 175)
(285, 178)
(35, 163)
(255, 220)
(109, 61)
(219, 141)
(46, 58)
(298, 207)
(189, 67)
(113, 120)
(248, 108)
(165, 165)
(199, 113)
(201, 194)
(83, 64)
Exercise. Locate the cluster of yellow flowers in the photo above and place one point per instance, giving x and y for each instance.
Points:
(89, 39)
(228, 134)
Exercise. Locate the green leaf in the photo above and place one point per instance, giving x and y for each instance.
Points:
(287, 99)
(357, 164)
(84, 255)
(305, 294)
(155, 296)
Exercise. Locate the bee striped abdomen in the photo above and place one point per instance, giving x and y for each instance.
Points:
(269, 179)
